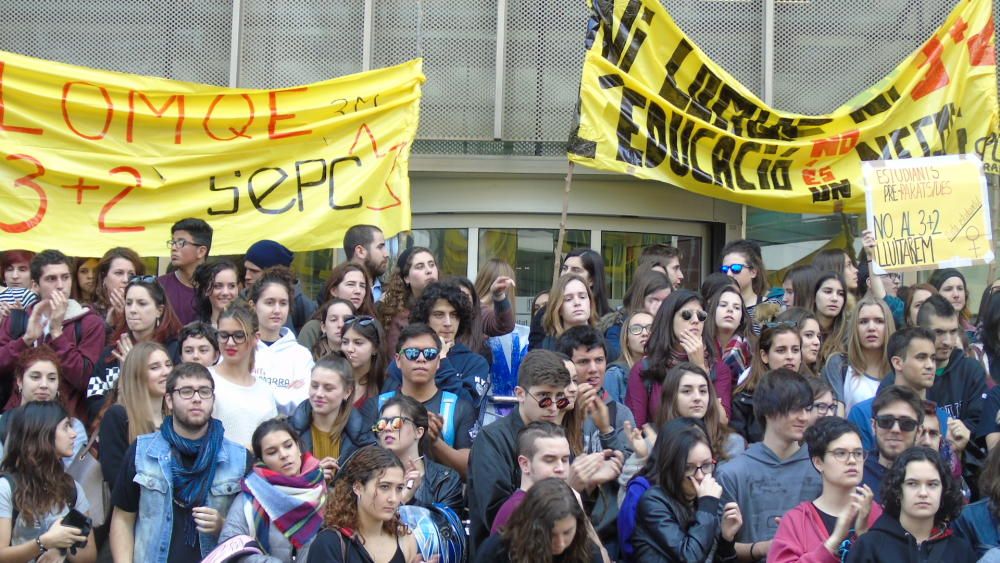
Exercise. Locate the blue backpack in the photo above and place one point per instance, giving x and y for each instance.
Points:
(438, 531)
(627, 513)
(449, 401)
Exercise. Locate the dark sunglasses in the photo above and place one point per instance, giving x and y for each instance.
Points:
(782, 324)
(546, 402)
(142, 279)
(687, 314)
(887, 421)
(734, 268)
(362, 320)
(413, 353)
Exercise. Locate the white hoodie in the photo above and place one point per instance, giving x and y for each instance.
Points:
(285, 367)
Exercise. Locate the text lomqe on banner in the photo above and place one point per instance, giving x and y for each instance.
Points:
(928, 213)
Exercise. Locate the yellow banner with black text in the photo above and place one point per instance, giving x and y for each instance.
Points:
(654, 106)
(92, 159)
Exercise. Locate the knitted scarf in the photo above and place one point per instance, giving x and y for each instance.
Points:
(292, 504)
(191, 484)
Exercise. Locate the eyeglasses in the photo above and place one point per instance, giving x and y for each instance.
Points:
(413, 353)
(823, 408)
(239, 336)
(734, 268)
(181, 243)
(687, 314)
(142, 279)
(843, 455)
(887, 421)
(545, 402)
(188, 392)
(390, 423)
(638, 329)
(705, 468)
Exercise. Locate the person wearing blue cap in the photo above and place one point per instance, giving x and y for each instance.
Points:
(264, 254)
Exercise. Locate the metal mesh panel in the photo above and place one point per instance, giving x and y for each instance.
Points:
(544, 50)
(730, 32)
(458, 40)
(186, 40)
(291, 43)
(827, 52)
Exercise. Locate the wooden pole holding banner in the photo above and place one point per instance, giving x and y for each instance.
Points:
(993, 181)
(557, 258)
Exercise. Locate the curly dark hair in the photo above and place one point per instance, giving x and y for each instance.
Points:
(450, 292)
(368, 463)
(397, 295)
(892, 485)
(42, 482)
(204, 278)
(528, 533)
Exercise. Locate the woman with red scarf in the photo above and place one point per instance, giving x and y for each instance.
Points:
(283, 498)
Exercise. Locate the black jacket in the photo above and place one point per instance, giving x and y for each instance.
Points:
(441, 484)
(493, 475)
(888, 542)
(355, 434)
(335, 546)
(960, 389)
(744, 421)
(660, 534)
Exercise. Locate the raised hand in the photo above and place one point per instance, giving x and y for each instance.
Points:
(732, 521)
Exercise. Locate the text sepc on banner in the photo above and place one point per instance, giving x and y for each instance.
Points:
(928, 213)
(119, 158)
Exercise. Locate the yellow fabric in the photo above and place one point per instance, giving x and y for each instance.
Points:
(323, 446)
(93, 159)
(653, 105)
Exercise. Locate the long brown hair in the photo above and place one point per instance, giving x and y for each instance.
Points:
(718, 433)
(340, 366)
(488, 273)
(397, 296)
(104, 267)
(368, 463)
(337, 276)
(43, 486)
(132, 389)
(757, 366)
(167, 325)
(855, 354)
(528, 533)
(552, 320)
(321, 348)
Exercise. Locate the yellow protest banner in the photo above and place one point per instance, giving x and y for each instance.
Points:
(92, 159)
(928, 213)
(654, 106)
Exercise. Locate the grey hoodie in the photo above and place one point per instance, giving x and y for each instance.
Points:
(767, 487)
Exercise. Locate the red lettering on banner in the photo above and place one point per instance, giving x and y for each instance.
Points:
(102, 217)
(272, 124)
(980, 53)
(28, 181)
(397, 148)
(937, 75)
(842, 143)
(957, 31)
(241, 132)
(14, 128)
(179, 98)
(109, 107)
(80, 187)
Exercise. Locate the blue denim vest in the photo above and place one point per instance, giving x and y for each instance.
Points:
(155, 520)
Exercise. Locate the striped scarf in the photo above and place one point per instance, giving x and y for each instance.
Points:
(293, 505)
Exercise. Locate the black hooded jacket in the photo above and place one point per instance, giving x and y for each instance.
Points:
(888, 542)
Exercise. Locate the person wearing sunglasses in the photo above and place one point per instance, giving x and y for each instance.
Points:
(242, 401)
(681, 517)
(677, 335)
(449, 312)
(189, 244)
(452, 419)
(402, 428)
(774, 475)
(897, 417)
(493, 473)
(742, 261)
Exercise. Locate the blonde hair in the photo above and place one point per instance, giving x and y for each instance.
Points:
(134, 389)
(626, 352)
(488, 273)
(855, 352)
(248, 322)
(552, 320)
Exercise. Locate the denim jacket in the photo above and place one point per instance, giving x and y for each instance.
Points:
(154, 522)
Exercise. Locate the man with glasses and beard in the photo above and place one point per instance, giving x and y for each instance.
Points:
(897, 416)
(174, 491)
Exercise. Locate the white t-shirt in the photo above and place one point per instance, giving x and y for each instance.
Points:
(858, 388)
(241, 409)
(23, 533)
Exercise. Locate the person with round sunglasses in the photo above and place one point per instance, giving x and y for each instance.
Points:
(897, 418)
(242, 401)
(824, 529)
(402, 428)
(678, 335)
(453, 420)
(363, 343)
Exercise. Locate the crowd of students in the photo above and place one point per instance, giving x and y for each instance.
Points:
(218, 412)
